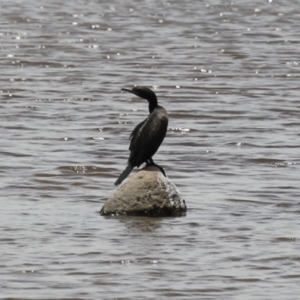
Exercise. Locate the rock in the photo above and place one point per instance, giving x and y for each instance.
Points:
(146, 193)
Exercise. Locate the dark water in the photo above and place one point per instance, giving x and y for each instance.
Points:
(228, 74)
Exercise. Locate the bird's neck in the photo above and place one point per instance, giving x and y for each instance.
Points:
(152, 105)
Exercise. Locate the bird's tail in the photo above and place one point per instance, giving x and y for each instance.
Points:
(124, 174)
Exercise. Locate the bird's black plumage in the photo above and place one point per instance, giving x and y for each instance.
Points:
(148, 135)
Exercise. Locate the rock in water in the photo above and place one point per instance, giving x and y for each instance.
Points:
(146, 193)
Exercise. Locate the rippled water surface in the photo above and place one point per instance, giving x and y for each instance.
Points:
(228, 74)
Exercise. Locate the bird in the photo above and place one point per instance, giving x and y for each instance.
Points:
(148, 135)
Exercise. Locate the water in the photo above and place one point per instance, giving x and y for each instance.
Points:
(228, 74)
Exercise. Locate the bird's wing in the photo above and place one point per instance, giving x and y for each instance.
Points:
(135, 134)
(150, 137)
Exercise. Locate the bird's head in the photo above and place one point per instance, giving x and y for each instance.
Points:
(145, 93)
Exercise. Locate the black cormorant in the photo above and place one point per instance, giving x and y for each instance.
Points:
(146, 136)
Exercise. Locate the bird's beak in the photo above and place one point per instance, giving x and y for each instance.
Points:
(130, 91)
(126, 90)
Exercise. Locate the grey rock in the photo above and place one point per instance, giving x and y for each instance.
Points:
(146, 193)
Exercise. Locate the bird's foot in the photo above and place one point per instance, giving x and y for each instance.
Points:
(161, 169)
(152, 163)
